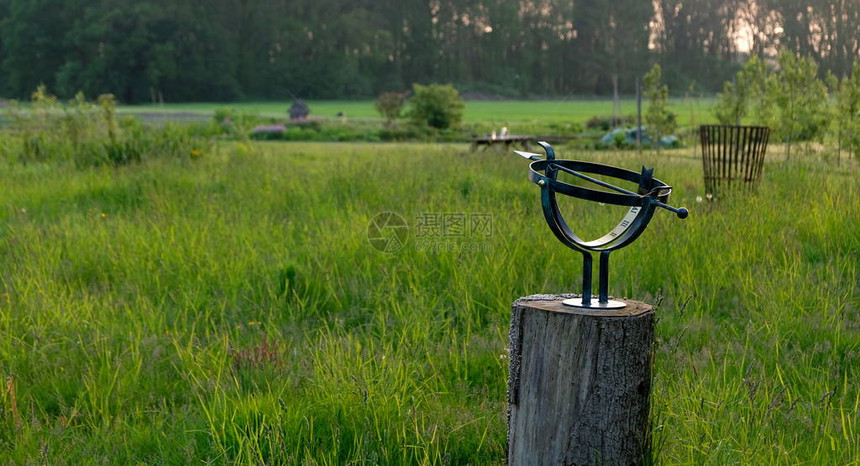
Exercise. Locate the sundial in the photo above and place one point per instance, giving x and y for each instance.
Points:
(652, 193)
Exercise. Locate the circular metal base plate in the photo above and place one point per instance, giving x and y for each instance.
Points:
(577, 302)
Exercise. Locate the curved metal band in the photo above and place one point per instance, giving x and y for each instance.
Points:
(627, 230)
(535, 176)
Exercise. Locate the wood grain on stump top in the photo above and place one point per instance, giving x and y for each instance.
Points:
(634, 308)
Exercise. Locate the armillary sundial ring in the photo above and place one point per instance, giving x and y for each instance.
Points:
(652, 193)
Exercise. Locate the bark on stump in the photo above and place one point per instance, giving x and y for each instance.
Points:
(579, 384)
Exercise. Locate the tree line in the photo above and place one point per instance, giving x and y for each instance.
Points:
(193, 50)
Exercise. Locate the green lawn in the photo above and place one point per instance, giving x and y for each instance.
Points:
(230, 308)
(501, 113)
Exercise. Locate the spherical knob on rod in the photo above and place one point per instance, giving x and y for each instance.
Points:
(681, 212)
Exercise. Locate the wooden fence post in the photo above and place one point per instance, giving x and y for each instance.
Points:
(579, 383)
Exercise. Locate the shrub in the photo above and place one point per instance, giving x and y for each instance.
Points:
(88, 134)
(436, 106)
(233, 122)
(268, 132)
(406, 133)
(390, 105)
(299, 133)
(620, 140)
(605, 123)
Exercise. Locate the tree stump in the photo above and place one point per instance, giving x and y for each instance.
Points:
(579, 383)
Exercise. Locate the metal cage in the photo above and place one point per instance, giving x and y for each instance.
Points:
(732, 155)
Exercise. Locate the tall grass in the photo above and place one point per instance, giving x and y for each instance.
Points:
(230, 308)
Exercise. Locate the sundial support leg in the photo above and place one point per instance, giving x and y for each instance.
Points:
(603, 286)
(603, 302)
(586, 278)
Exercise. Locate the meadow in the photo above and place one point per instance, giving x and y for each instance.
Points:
(498, 113)
(222, 303)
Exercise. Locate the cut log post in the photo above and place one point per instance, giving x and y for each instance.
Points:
(579, 383)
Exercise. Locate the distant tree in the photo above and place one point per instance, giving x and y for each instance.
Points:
(799, 100)
(837, 124)
(390, 105)
(744, 92)
(845, 114)
(140, 49)
(661, 122)
(756, 75)
(695, 39)
(731, 105)
(436, 106)
(826, 31)
(33, 35)
(220, 50)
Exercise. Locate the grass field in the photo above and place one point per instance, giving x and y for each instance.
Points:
(230, 308)
(501, 113)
